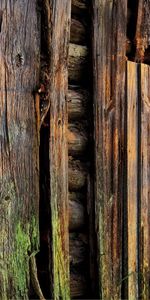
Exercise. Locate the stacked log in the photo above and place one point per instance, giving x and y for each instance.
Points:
(78, 141)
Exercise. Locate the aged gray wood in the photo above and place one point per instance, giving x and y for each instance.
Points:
(19, 153)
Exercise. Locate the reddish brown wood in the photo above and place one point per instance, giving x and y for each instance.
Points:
(145, 184)
(109, 47)
(142, 38)
(59, 12)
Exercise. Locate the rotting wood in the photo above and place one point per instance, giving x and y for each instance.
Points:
(77, 62)
(132, 177)
(109, 49)
(142, 37)
(77, 175)
(77, 104)
(60, 12)
(144, 240)
(77, 139)
(19, 154)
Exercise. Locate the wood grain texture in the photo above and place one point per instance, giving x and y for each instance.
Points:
(77, 68)
(142, 37)
(60, 12)
(19, 154)
(132, 178)
(109, 47)
(77, 104)
(145, 184)
(77, 139)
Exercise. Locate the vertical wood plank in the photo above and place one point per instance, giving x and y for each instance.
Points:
(60, 12)
(145, 184)
(109, 63)
(19, 158)
(132, 177)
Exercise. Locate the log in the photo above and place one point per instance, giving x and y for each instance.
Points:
(109, 61)
(79, 7)
(77, 175)
(77, 68)
(78, 245)
(77, 216)
(78, 196)
(78, 285)
(77, 104)
(77, 32)
(58, 41)
(77, 140)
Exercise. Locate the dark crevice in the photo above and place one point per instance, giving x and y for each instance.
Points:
(131, 29)
(1, 19)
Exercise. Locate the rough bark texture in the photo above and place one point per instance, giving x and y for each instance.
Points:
(19, 166)
(60, 12)
(77, 174)
(109, 39)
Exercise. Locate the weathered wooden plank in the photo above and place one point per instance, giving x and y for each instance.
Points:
(109, 46)
(60, 12)
(142, 37)
(145, 184)
(19, 158)
(132, 177)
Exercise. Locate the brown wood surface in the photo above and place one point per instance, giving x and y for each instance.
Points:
(19, 154)
(142, 37)
(77, 139)
(77, 220)
(60, 12)
(77, 104)
(77, 175)
(77, 32)
(132, 177)
(145, 184)
(109, 47)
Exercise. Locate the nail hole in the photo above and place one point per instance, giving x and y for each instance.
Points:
(59, 122)
(7, 198)
(19, 60)
(1, 19)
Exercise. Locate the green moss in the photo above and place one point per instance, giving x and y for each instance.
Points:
(60, 264)
(20, 260)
